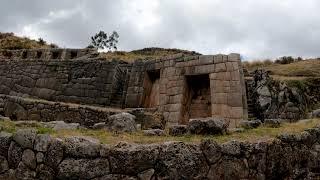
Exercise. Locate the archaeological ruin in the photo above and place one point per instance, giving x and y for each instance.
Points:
(180, 87)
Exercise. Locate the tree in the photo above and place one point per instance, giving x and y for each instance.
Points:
(41, 41)
(101, 40)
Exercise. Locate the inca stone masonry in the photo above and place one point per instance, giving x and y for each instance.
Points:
(180, 87)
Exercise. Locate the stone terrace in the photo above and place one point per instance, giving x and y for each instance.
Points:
(180, 87)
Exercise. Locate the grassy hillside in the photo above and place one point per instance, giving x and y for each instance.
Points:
(11, 41)
(296, 70)
(146, 53)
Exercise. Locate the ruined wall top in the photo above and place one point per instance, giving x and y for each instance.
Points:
(48, 54)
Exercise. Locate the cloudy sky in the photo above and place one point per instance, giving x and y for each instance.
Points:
(256, 29)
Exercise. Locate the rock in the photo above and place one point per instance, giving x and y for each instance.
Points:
(211, 150)
(131, 159)
(14, 154)
(229, 169)
(45, 172)
(4, 166)
(101, 125)
(15, 111)
(178, 130)
(274, 123)
(146, 175)
(5, 140)
(29, 159)
(42, 142)
(153, 132)
(231, 148)
(207, 126)
(40, 157)
(9, 175)
(122, 122)
(82, 147)
(61, 125)
(23, 172)
(116, 177)
(55, 153)
(25, 137)
(250, 124)
(83, 168)
(316, 113)
(149, 120)
(178, 160)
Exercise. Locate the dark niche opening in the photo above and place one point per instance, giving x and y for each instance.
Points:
(73, 54)
(39, 54)
(56, 54)
(197, 97)
(151, 89)
(24, 55)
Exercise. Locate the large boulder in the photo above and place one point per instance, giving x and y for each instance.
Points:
(55, 153)
(178, 160)
(25, 137)
(154, 132)
(14, 111)
(84, 147)
(131, 159)
(178, 130)
(149, 119)
(29, 159)
(207, 126)
(83, 168)
(211, 150)
(42, 142)
(122, 122)
(250, 124)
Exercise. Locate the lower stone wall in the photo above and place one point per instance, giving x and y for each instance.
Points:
(18, 108)
(28, 155)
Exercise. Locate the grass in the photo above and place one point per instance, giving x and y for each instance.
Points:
(252, 135)
(10, 41)
(144, 54)
(295, 70)
(306, 68)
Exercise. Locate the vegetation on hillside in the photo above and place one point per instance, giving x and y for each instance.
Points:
(146, 53)
(12, 42)
(299, 68)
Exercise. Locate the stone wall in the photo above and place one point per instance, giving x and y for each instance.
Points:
(79, 76)
(24, 109)
(80, 79)
(28, 155)
(227, 92)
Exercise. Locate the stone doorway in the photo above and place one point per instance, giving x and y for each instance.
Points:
(151, 89)
(197, 98)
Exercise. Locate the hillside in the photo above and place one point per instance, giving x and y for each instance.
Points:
(295, 70)
(11, 41)
(146, 53)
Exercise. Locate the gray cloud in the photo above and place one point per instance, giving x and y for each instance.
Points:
(256, 29)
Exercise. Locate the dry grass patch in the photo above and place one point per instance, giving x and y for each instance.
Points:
(252, 135)
(105, 137)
